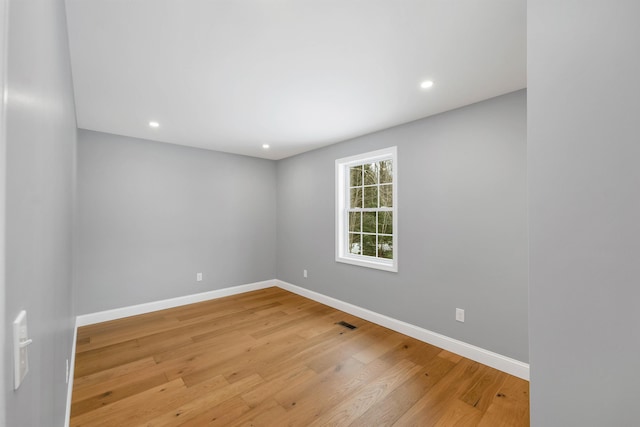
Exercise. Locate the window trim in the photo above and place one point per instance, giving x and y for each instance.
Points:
(342, 203)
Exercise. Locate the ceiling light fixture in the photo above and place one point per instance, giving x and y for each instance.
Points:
(426, 84)
(265, 146)
(154, 124)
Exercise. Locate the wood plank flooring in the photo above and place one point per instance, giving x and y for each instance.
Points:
(273, 358)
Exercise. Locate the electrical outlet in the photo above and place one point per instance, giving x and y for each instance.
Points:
(459, 315)
(304, 273)
(199, 277)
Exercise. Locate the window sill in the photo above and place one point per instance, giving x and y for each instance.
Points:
(375, 263)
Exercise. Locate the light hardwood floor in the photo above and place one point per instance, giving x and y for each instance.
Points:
(273, 358)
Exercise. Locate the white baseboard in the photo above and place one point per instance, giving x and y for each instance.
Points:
(67, 417)
(486, 357)
(480, 355)
(133, 310)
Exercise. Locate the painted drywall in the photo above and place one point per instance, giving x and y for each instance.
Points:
(41, 142)
(584, 183)
(462, 225)
(152, 215)
(4, 19)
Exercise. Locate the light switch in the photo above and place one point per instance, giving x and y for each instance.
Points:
(20, 343)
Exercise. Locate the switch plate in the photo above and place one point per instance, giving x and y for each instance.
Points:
(459, 315)
(304, 273)
(199, 277)
(20, 351)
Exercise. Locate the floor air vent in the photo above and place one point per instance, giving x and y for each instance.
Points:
(346, 325)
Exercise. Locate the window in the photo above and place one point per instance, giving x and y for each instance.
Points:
(366, 210)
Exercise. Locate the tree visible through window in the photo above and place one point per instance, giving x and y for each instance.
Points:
(366, 210)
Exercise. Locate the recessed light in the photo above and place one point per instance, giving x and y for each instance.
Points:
(265, 146)
(426, 84)
(154, 124)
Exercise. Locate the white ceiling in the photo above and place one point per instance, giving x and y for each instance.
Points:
(230, 75)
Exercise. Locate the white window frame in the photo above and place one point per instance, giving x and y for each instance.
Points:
(342, 210)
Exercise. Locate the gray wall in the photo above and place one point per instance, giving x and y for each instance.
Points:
(152, 215)
(584, 183)
(41, 138)
(4, 13)
(462, 225)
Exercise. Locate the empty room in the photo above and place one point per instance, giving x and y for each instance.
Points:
(319, 213)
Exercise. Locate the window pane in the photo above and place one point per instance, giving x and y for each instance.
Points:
(355, 243)
(385, 247)
(355, 176)
(386, 196)
(365, 209)
(370, 173)
(356, 198)
(369, 222)
(386, 171)
(385, 222)
(368, 245)
(354, 222)
(370, 197)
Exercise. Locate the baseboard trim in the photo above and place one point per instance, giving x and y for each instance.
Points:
(478, 354)
(133, 310)
(486, 357)
(72, 361)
